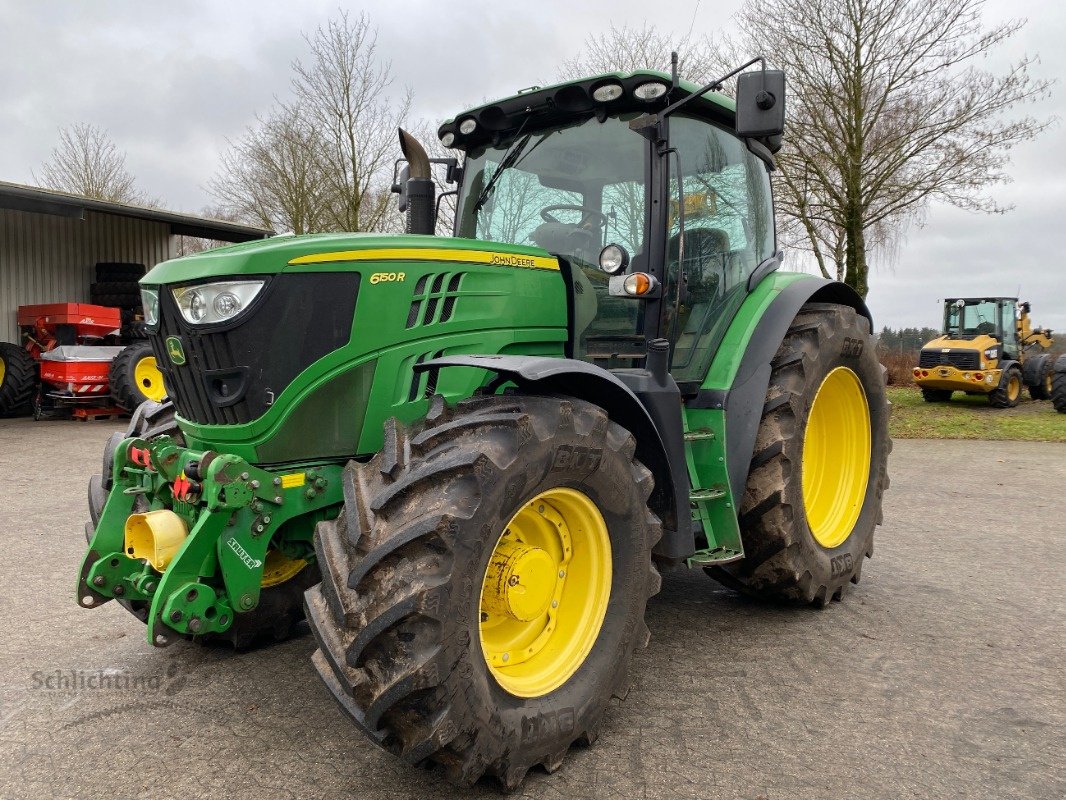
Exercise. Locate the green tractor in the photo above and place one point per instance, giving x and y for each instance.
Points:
(467, 459)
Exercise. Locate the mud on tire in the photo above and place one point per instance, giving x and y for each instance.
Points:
(783, 561)
(397, 613)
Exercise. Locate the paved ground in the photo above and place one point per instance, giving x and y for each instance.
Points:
(941, 675)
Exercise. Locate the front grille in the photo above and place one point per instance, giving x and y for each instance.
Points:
(960, 359)
(233, 373)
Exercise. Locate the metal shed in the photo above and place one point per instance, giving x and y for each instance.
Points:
(50, 241)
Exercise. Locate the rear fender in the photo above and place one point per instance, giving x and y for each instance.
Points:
(743, 401)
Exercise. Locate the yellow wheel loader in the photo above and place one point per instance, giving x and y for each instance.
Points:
(988, 347)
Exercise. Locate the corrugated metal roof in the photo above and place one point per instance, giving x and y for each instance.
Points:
(48, 201)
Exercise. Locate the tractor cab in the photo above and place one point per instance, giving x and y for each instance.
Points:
(659, 221)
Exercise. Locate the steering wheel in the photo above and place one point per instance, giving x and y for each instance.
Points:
(590, 215)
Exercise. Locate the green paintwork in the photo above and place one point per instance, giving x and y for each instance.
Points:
(240, 512)
(708, 100)
(731, 350)
(269, 481)
(371, 377)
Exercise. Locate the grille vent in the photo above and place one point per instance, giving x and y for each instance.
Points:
(434, 299)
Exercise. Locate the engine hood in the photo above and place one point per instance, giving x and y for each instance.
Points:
(337, 251)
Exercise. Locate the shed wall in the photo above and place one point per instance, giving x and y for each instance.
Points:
(50, 259)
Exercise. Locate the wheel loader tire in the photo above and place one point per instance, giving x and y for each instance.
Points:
(1037, 373)
(415, 616)
(1009, 391)
(135, 377)
(936, 395)
(814, 489)
(18, 380)
(120, 301)
(1058, 385)
(280, 608)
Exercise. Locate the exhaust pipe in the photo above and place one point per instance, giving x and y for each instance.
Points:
(418, 196)
(155, 536)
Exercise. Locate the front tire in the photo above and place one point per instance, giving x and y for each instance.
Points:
(1009, 391)
(410, 644)
(813, 496)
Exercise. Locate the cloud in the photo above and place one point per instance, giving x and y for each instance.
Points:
(172, 82)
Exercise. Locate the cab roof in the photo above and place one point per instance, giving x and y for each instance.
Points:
(563, 102)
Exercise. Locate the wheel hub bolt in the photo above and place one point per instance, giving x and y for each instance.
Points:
(505, 657)
(175, 616)
(99, 580)
(194, 624)
(118, 591)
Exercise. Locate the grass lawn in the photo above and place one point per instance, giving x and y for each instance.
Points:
(970, 417)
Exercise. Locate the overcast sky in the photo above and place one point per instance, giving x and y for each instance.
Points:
(172, 81)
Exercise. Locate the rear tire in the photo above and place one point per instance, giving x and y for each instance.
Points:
(936, 395)
(1058, 385)
(135, 378)
(1009, 391)
(18, 380)
(280, 608)
(1038, 375)
(400, 611)
(785, 556)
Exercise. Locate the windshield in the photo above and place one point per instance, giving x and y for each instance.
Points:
(969, 318)
(570, 190)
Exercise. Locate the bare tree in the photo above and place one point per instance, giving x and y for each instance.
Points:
(274, 175)
(626, 49)
(343, 88)
(87, 162)
(888, 111)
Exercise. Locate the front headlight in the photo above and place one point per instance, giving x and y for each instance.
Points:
(209, 303)
(150, 304)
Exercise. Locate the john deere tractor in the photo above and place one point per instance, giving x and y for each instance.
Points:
(988, 347)
(477, 453)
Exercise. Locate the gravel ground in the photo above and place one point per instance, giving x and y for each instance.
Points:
(940, 675)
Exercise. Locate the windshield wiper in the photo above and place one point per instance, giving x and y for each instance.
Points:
(508, 161)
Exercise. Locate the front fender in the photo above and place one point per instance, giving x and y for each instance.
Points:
(548, 375)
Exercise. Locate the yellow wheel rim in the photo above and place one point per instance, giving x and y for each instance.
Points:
(1047, 379)
(1014, 387)
(3, 371)
(149, 378)
(280, 568)
(836, 457)
(545, 592)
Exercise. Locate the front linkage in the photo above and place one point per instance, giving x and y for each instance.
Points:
(207, 527)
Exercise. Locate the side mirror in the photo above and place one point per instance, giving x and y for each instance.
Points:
(761, 103)
(400, 187)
